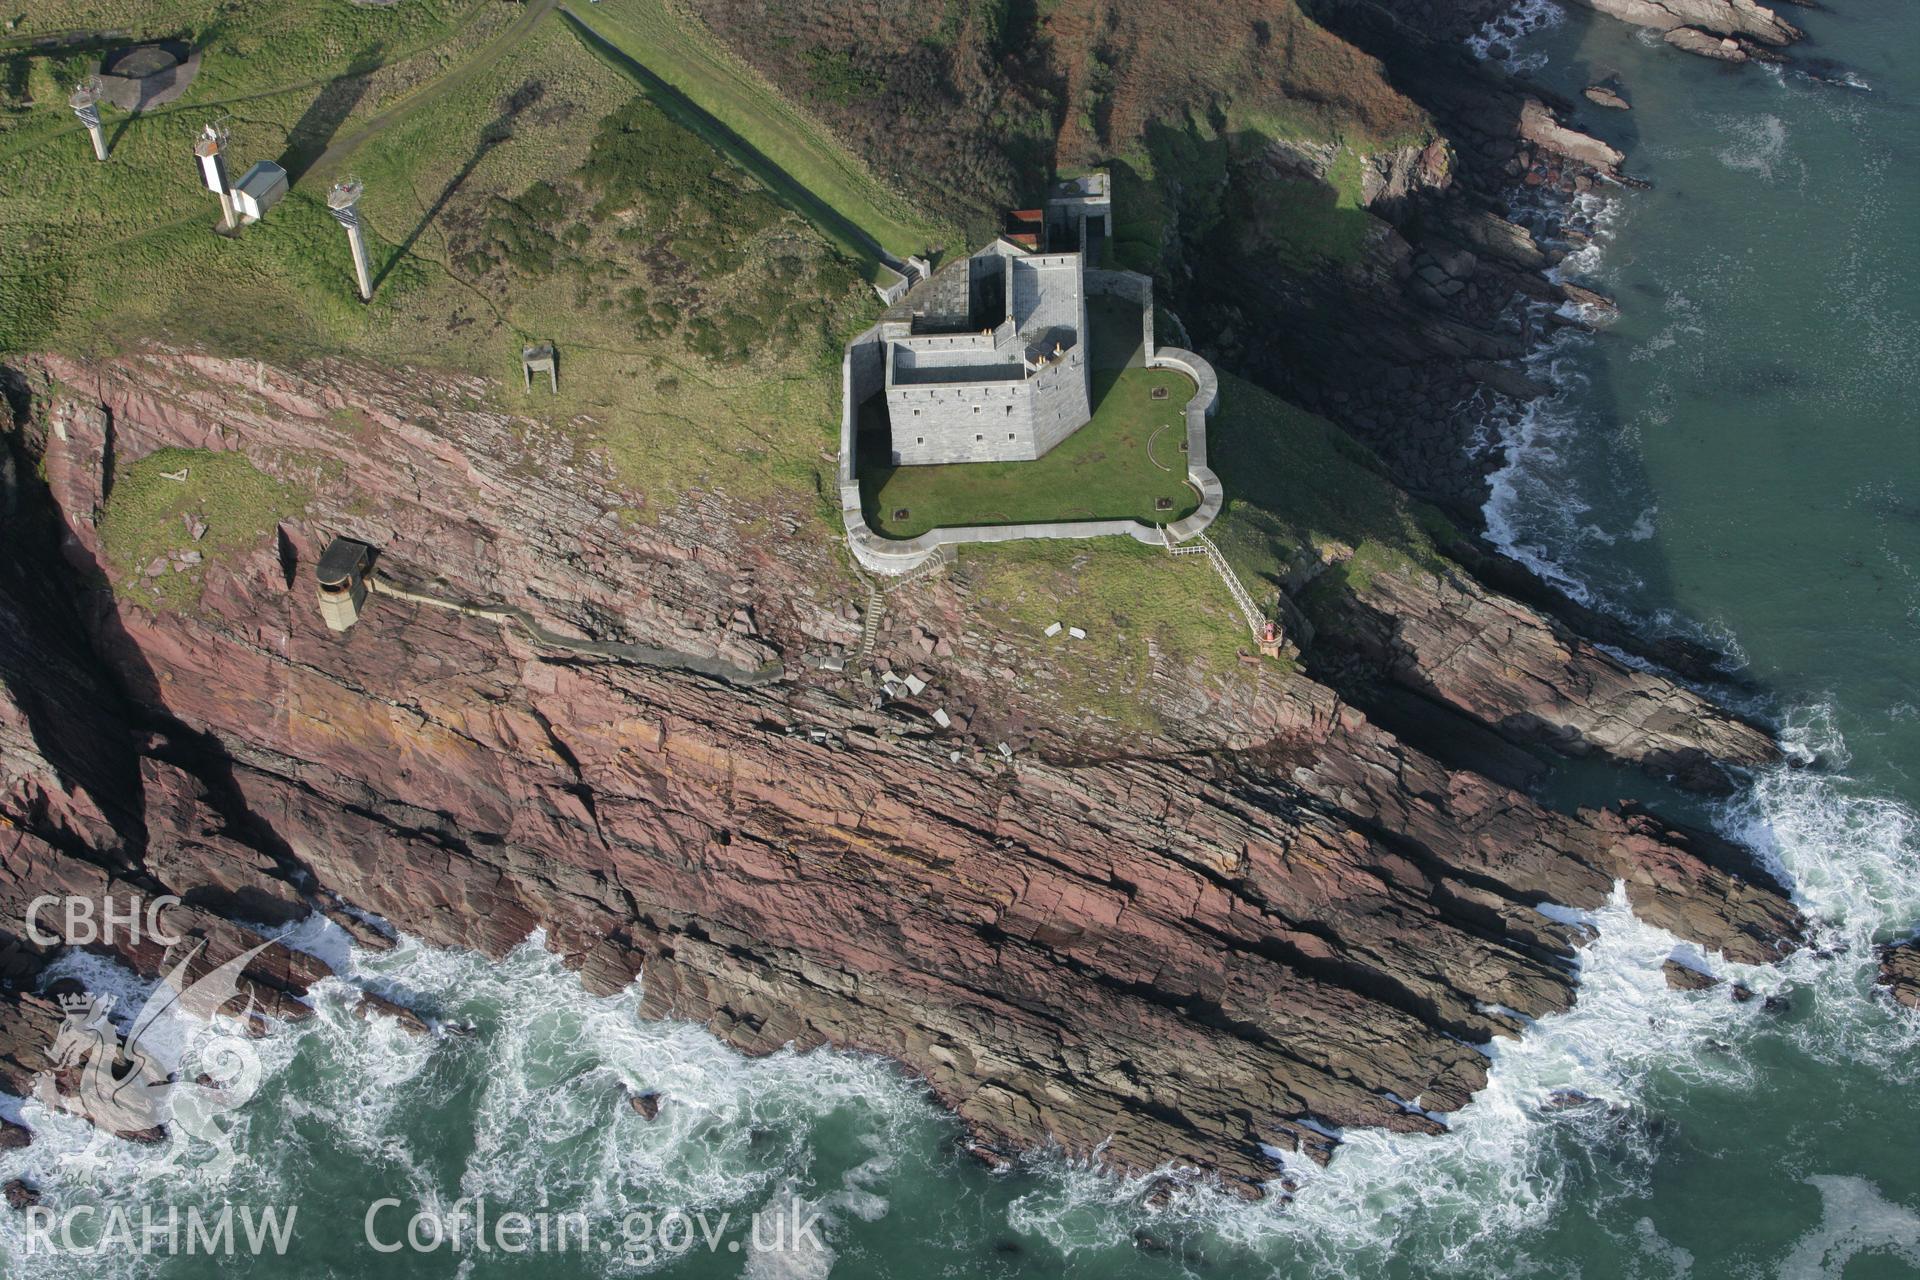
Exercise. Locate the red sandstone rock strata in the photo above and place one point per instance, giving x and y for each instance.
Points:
(1447, 637)
(1179, 956)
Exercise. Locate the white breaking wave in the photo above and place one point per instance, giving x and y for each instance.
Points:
(1499, 39)
(1855, 1220)
(537, 1074)
(1571, 1089)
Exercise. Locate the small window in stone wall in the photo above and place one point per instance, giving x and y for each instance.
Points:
(1009, 435)
(979, 439)
(976, 408)
(919, 439)
(1009, 411)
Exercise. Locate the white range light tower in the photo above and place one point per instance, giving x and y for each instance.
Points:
(213, 171)
(85, 101)
(342, 198)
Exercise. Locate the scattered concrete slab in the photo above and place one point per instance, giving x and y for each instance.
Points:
(1053, 630)
(1076, 633)
(941, 718)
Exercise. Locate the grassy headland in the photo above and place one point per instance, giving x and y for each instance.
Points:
(692, 240)
(518, 188)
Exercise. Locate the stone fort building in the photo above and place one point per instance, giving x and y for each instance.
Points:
(987, 359)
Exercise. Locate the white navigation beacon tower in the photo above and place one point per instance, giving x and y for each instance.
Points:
(85, 102)
(213, 170)
(342, 198)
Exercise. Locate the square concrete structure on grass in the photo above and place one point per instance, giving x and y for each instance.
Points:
(540, 358)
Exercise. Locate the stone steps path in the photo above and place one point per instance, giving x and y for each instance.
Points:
(869, 628)
(877, 603)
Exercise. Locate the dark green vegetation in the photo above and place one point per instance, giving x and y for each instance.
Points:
(158, 502)
(1121, 465)
(839, 77)
(1182, 187)
(658, 230)
(970, 105)
(1301, 492)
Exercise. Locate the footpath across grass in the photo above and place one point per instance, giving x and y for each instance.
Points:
(1122, 465)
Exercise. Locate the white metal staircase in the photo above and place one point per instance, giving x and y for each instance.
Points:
(1203, 545)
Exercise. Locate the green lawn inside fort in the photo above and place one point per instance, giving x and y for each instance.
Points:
(1123, 464)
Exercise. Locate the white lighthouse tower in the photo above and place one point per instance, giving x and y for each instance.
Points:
(85, 101)
(213, 171)
(342, 199)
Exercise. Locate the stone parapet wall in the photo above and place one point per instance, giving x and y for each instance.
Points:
(1206, 399)
(863, 371)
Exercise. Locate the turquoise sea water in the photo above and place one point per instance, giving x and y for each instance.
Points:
(1734, 457)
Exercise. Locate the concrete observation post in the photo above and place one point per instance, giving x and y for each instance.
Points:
(85, 101)
(213, 172)
(343, 199)
(341, 577)
(540, 358)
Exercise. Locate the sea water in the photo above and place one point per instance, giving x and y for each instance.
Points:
(1734, 459)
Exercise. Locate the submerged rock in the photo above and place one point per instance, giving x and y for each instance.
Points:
(1684, 977)
(371, 1004)
(1900, 972)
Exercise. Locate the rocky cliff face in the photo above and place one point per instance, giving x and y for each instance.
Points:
(1731, 18)
(1279, 919)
